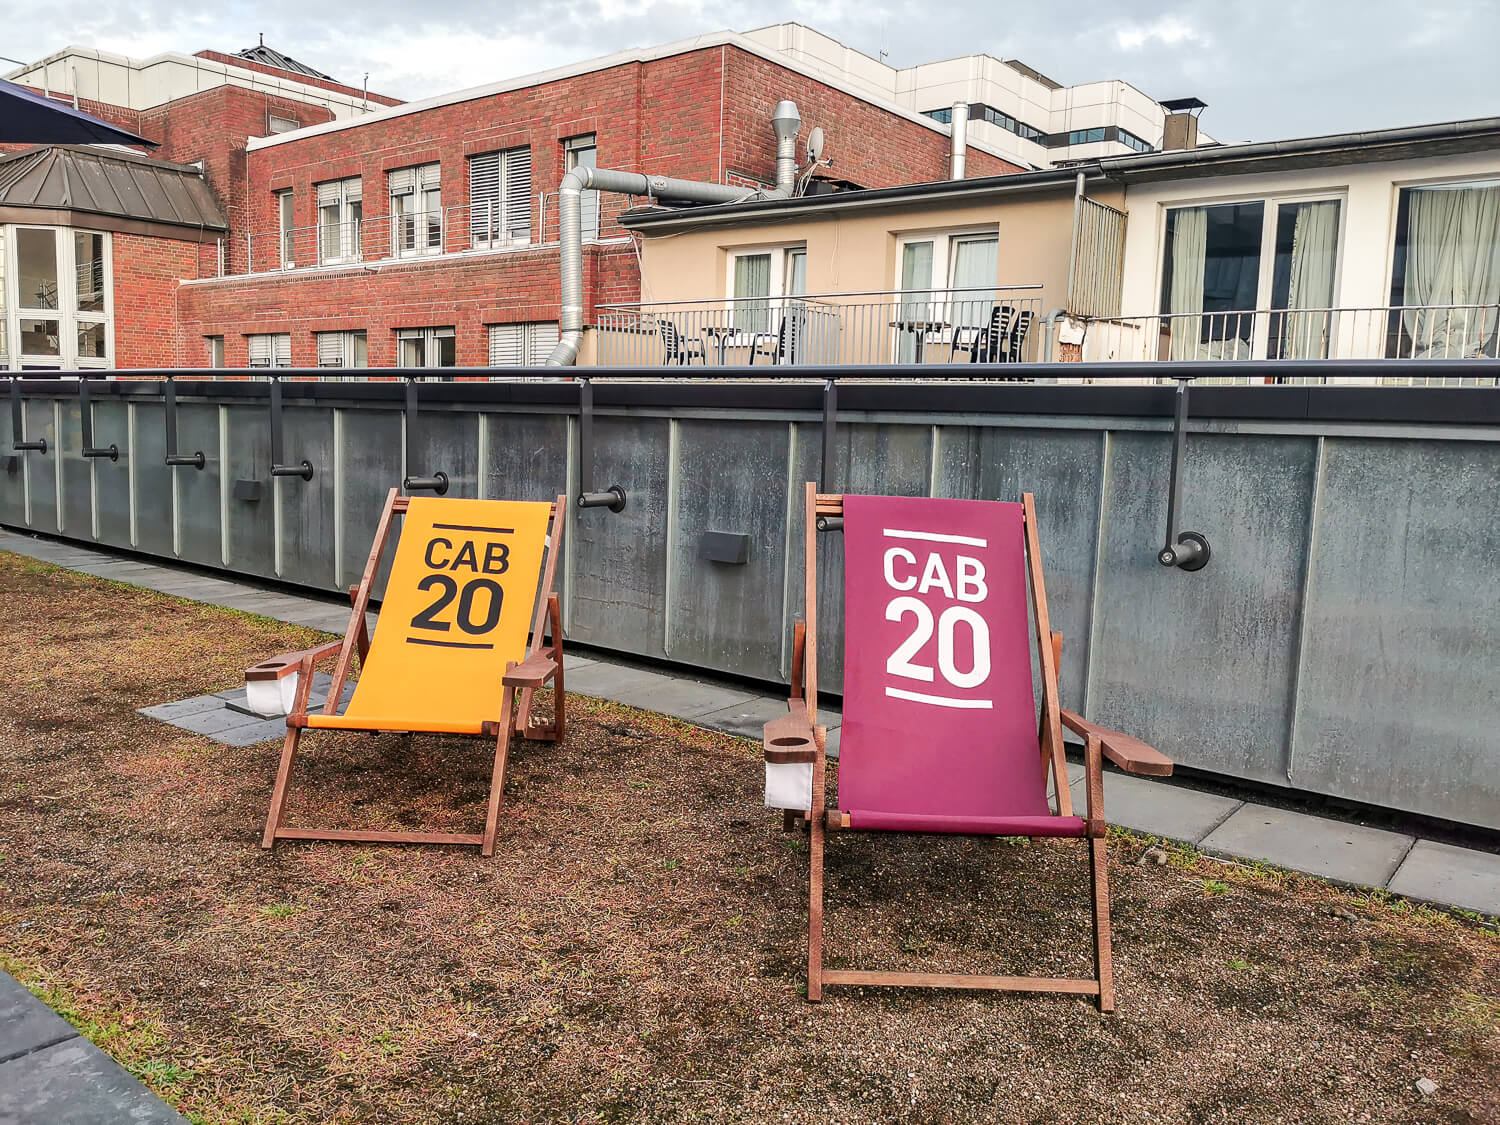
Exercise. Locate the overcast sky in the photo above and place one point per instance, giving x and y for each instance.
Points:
(1268, 68)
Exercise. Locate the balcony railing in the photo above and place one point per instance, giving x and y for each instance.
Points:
(1374, 332)
(458, 229)
(926, 326)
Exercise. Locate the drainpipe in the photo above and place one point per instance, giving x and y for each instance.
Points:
(959, 132)
(785, 120)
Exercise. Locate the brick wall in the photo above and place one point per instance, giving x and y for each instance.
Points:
(468, 293)
(146, 279)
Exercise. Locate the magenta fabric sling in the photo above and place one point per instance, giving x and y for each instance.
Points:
(940, 724)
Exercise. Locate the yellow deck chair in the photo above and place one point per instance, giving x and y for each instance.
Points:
(450, 653)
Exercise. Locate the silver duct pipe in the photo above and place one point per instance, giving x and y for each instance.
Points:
(959, 132)
(785, 120)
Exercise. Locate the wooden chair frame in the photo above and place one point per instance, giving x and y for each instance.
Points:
(520, 680)
(798, 737)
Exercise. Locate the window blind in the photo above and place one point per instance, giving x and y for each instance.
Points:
(402, 181)
(328, 194)
(485, 216)
(268, 350)
(500, 195)
(522, 345)
(518, 193)
(330, 349)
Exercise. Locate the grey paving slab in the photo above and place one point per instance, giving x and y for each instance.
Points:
(1452, 876)
(1155, 807)
(1333, 849)
(210, 722)
(745, 718)
(181, 708)
(26, 1024)
(604, 680)
(252, 733)
(667, 695)
(76, 1083)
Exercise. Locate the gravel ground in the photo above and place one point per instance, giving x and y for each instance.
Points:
(635, 949)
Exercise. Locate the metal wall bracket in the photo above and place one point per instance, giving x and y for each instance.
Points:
(304, 469)
(16, 425)
(830, 432)
(197, 460)
(438, 482)
(1186, 550)
(86, 416)
(613, 497)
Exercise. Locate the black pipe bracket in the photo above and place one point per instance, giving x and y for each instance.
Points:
(614, 497)
(1186, 550)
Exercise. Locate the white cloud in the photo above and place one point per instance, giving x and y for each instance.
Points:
(1168, 31)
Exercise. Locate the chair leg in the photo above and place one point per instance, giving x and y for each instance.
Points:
(283, 778)
(1099, 870)
(497, 775)
(815, 913)
(559, 698)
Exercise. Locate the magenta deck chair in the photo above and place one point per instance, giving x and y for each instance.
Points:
(941, 730)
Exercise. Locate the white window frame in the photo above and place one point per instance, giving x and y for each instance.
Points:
(781, 255)
(278, 349)
(345, 194)
(940, 286)
(425, 192)
(513, 228)
(522, 344)
(286, 218)
(277, 124)
(429, 338)
(67, 314)
(1271, 203)
(342, 348)
(215, 346)
(591, 216)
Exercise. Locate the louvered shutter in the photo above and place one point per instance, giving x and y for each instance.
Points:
(330, 349)
(282, 351)
(402, 181)
(328, 194)
(543, 340)
(260, 351)
(353, 190)
(518, 194)
(507, 345)
(484, 198)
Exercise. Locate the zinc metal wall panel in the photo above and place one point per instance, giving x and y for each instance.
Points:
(527, 456)
(252, 523)
(112, 478)
(41, 468)
(448, 442)
(1203, 665)
(1063, 469)
(618, 561)
(723, 614)
(153, 480)
(77, 516)
(307, 516)
(369, 467)
(198, 518)
(1398, 703)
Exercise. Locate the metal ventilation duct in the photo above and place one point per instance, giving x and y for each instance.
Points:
(785, 120)
(959, 132)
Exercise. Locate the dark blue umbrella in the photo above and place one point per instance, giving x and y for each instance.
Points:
(27, 118)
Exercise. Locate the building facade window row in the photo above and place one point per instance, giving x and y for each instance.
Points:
(497, 215)
(526, 344)
(981, 112)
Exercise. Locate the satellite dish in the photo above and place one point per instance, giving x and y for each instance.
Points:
(815, 144)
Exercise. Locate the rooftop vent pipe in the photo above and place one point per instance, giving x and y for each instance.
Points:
(785, 120)
(959, 131)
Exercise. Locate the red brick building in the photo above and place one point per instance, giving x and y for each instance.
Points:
(426, 233)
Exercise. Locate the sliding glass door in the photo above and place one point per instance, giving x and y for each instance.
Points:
(1250, 280)
(1445, 290)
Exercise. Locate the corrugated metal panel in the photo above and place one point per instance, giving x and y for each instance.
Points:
(93, 181)
(1098, 268)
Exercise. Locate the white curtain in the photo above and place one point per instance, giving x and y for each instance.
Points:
(916, 274)
(1185, 295)
(976, 266)
(752, 278)
(1452, 271)
(1314, 258)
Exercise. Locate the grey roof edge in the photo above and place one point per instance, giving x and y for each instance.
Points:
(122, 155)
(1188, 162)
(138, 189)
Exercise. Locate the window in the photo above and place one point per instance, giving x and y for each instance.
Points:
(425, 347)
(1223, 263)
(342, 349)
(500, 198)
(215, 346)
(1086, 136)
(758, 281)
(55, 298)
(288, 232)
(583, 152)
(522, 345)
(416, 211)
(340, 217)
(949, 281)
(270, 350)
(281, 124)
(1131, 141)
(1446, 276)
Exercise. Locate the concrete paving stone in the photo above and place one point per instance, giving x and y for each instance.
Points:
(26, 1024)
(602, 679)
(745, 719)
(571, 661)
(1333, 849)
(1450, 875)
(210, 722)
(171, 712)
(652, 691)
(252, 733)
(77, 1083)
(1157, 808)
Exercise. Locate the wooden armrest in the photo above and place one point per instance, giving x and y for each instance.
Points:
(532, 672)
(790, 738)
(288, 662)
(1130, 754)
